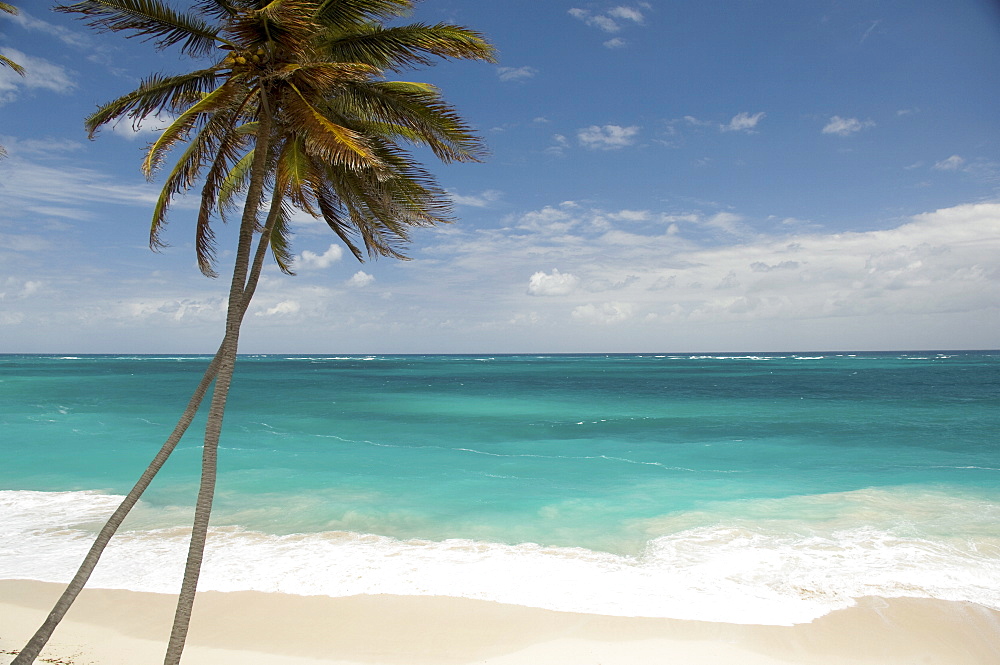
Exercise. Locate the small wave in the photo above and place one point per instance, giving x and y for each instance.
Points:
(729, 571)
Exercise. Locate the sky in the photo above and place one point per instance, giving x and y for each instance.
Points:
(663, 176)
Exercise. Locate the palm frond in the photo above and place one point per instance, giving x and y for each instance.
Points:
(280, 238)
(185, 173)
(151, 20)
(280, 25)
(234, 183)
(406, 47)
(296, 176)
(179, 128)
(230, 148)
(4, 60)
(327, 140)
(418, 113)
(154, 94)
(350, 15)
(220, 10)
(333, 214)
(325, 77)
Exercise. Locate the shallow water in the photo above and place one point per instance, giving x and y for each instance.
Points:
(760, 488)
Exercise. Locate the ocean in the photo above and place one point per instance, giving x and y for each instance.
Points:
(747, 488)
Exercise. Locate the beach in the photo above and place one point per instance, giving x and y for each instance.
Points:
(826, 509)
(113, 627)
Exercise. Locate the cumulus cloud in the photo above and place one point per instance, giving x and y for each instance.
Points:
(743, 122)
(604, 314)
(953, 163)
(555, 284)
(283, 308)
(608, 137)
(846, 126)
(933, 265)
(516, 73)
(361, 279)
(311, 260)
(615, 42)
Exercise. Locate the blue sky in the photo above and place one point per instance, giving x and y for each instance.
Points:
(739, 175)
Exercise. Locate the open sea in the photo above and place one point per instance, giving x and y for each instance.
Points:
(768, 488)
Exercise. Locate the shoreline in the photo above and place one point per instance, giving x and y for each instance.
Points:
(113, 627)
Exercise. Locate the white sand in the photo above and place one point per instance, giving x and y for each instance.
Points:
(247, 628)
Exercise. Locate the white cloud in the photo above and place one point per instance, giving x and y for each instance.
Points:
(608, 137)
(604, 314)
(726, 221)
(285, 307)
(146, 128)
(481, 200)
(66, 36)
(556, 284)
(743, 122)
(46, 146)
(548, 220)
(361, 279)
(69, 188)
(611, 20)
(617, 42)
(14, 288)
(24, 242)
(846, 126)
(559, 145)
(309, 260)
(630, 215)
(626, 13)
(39, 74)
(953, 163)
(812, 287)
(516, 73)
(176, 310)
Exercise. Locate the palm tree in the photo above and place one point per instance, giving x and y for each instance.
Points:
(7, 62)
(291, 110)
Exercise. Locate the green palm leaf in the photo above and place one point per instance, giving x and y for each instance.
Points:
(150, 19)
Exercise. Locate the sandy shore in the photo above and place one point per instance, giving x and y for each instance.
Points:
(124, 627)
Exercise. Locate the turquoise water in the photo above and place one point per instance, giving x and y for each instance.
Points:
(652, 480)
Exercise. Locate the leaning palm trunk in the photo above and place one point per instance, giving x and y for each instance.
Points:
(238, 305)
(41, 637)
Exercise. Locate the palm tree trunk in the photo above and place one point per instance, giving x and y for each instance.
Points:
(41, 637)
(37, 642)
(31, 650)
(240, 294)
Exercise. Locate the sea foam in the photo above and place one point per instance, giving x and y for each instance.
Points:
(738, 573)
